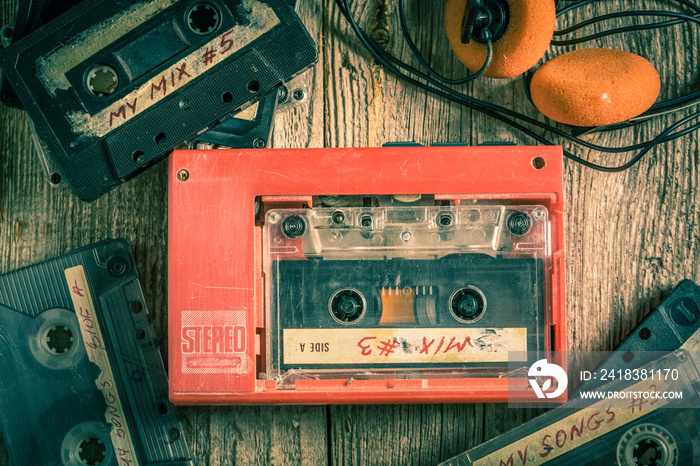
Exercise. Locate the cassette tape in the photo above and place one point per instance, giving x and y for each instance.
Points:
(661, 355)
(83, 380)
(628, 430)
(113, 86)
(363, 275)
(437, 288)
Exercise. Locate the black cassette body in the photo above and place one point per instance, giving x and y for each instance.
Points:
(113, 86)
(629, 429)
(371, 290)
(83, 379)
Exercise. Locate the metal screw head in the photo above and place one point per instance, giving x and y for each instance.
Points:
(282, 94)
(183, 175)
(259, 143)
(299, 94)
(406, 236)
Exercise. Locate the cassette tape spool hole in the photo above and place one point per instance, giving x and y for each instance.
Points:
(347, 306)
(58, 339)
(294, 226)
(467, 305)
(102, 81)
(86, 445)
(647, 445)
(519, 223)
(444, 219)
(203, 18)
(91, 451)
(117, 266)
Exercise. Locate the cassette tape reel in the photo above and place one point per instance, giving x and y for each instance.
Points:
(449, 286)
(83, 380)
(113, 86)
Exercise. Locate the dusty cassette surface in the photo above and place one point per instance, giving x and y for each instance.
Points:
(362, 275)
(113, 86)
(621, 431)
(443, 289)
(83, 380)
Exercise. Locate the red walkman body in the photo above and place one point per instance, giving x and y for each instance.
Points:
(373, 275)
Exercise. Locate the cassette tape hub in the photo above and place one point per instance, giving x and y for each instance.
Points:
(83, 380)
(429, 279)
(113, 86)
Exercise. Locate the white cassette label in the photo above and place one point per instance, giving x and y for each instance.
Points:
(402, 345)
(97, 353)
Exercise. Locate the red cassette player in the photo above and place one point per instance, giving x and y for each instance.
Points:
(376, 275)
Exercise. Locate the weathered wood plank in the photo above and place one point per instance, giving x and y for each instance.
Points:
(629, 236)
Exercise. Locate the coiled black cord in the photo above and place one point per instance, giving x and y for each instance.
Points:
(434, 82)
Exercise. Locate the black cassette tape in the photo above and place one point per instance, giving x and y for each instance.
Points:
(654, 423)
(113, 86)
(636, 425)
(443, 289)
(83, 380)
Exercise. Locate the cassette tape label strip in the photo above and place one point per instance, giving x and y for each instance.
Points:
(262, 18)
(96, 352)
(402, 345)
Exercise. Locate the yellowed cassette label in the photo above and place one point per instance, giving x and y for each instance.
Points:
(97, 353)
(402, 345)
(585, 425)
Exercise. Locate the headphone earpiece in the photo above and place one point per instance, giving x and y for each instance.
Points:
(520, 30)
(595, 87)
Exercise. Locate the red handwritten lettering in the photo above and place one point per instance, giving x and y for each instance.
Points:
(547, 447)
(365, 348)
(123, 456)
(88, 324)
(426, 345)
(442, 340)
(523, 456)
(387, 347)
(77, 290)
(181, 71)
(611, 413)
(226, 44)
(597, 422)
(558, 436)
(209, 56)
(578, 430)
(452, 345)
(121, 112)
(162, 86)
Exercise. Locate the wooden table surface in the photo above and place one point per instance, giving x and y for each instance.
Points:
(630, 237)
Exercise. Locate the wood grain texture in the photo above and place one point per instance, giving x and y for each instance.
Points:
(630, 237)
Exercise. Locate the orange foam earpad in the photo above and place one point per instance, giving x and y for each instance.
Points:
(526, 38)
(594, 87)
